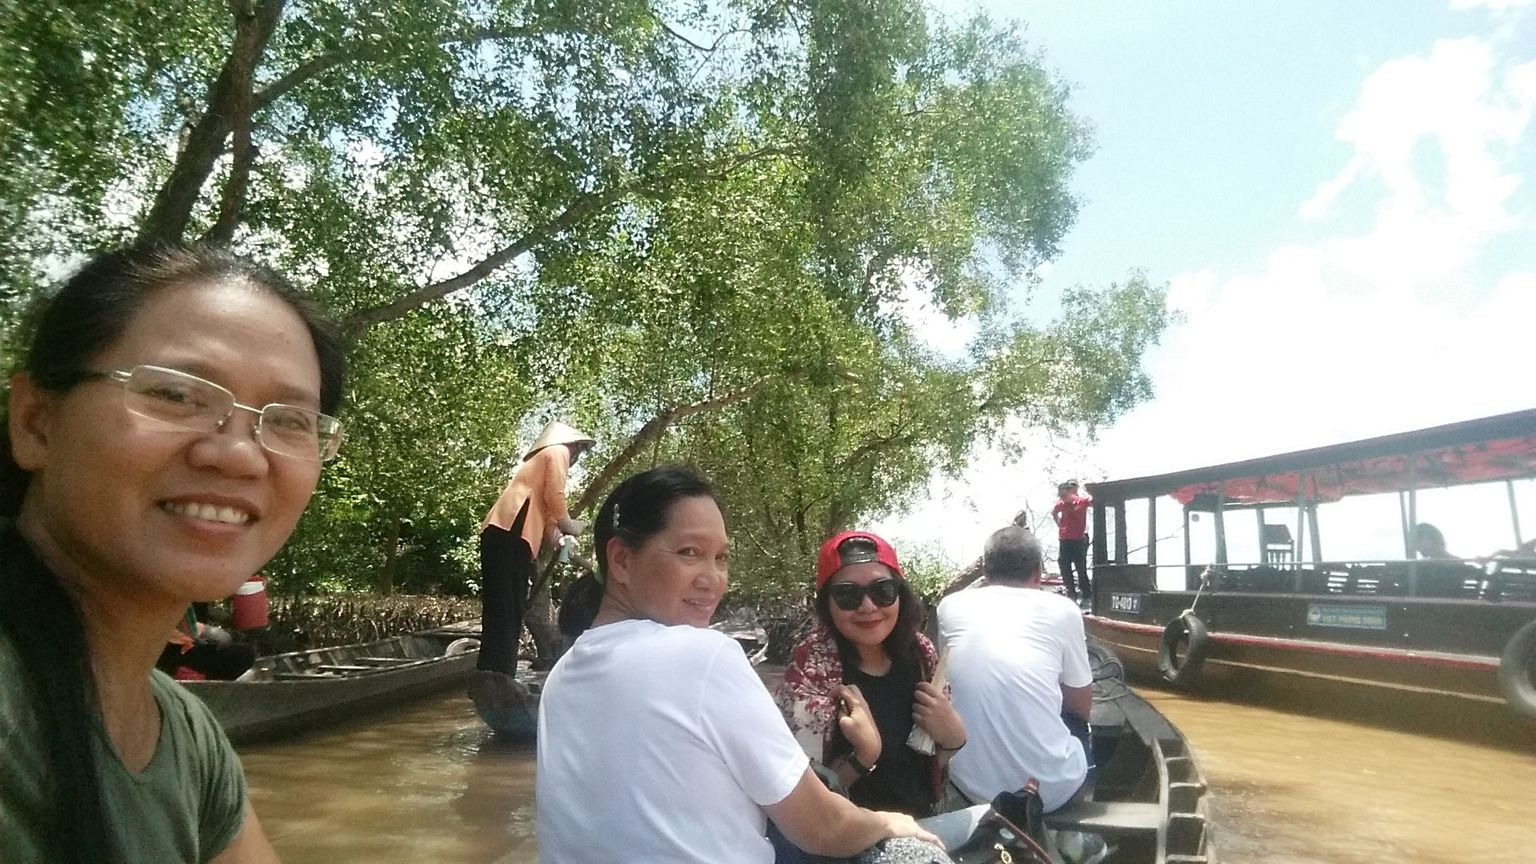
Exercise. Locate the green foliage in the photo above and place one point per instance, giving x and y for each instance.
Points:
(691, 222)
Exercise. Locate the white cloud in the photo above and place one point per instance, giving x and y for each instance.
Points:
(1431, 138)
(1495, 5)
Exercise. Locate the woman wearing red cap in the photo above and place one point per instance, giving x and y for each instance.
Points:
(854, 688)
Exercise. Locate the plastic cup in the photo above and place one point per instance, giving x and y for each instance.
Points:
(250, 605)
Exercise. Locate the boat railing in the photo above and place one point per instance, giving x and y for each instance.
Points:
(1493, 580)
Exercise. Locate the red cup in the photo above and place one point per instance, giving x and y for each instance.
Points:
(250, 604)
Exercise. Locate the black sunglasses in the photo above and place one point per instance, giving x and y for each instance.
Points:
(850, 595)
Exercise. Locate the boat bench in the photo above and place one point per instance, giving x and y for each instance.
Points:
(1108, 816)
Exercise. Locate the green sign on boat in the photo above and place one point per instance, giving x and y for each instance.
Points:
(1352, 617)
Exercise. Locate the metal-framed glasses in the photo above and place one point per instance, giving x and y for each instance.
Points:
(189, 402)
(849, 596)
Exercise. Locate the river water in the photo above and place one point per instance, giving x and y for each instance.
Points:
(428, 783)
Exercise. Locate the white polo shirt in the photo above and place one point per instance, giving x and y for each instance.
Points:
(659, 744)
(1011, 649)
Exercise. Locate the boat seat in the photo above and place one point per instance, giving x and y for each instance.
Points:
(1108, 816)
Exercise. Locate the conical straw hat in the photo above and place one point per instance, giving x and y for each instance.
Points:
(558, 433)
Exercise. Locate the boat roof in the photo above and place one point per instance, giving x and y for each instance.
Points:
(1502, 447)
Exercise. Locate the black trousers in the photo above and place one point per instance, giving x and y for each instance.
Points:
(506, 571)
(1074, 555)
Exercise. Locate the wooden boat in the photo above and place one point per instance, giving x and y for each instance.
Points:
(1149, 800)
(303, 690)
(1450, 637)
(1149, 797)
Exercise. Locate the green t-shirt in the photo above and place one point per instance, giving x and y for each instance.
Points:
(187, 806)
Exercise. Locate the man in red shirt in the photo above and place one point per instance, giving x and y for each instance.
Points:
(1071, 516)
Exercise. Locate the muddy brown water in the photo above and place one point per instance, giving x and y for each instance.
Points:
(428, 783)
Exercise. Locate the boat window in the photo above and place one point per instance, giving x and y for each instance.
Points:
(1361, 528)
(1475, 519)
(1136, 539)
(1202, 539)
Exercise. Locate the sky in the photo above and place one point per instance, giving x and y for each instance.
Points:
(1342, 200)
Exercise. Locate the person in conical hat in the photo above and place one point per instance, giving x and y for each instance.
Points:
(530, 513)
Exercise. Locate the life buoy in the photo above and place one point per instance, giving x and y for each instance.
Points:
(1185, 644)
(1517, 670)
(461, 646)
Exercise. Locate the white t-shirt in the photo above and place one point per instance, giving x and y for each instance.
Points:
(659, 744)
(1011, 649)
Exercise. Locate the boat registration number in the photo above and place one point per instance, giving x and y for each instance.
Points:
(1352, 617)
(1130, 604)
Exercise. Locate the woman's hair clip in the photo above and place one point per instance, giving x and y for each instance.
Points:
(615, 516)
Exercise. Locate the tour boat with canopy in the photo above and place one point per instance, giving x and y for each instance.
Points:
(1454, 632)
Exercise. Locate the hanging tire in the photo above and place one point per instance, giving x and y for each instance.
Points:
(1185, 644)
(1517, 670)
(1105, 665)
(461, 646)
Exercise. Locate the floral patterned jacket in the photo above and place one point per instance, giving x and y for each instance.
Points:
(808, 696)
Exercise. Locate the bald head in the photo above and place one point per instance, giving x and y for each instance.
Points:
(1012, 554)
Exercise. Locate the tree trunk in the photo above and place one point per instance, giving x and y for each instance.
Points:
(384, 583)
(548, 644)
(539, 617)
(229, 102)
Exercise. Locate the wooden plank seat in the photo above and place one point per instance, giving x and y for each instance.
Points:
(1108, 816)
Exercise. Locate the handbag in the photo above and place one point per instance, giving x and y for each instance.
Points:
(1011, 832)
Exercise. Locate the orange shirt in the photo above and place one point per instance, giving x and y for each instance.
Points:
(541, 482)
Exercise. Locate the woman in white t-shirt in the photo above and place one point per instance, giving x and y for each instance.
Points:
(657, 740)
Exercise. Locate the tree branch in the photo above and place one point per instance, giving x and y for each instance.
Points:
(993, 400)
(651, 433)
(172, 210)
(362, 51)
(586, 205)
(572, 215)
(252, 32)
(707, 49)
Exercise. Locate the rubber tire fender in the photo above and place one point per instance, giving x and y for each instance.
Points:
(1183, 672)
(1517, 670)
(461, 646)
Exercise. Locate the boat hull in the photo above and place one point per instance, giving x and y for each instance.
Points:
(1440, 654)
(508, 706)
(1149, 797)
(308, 690)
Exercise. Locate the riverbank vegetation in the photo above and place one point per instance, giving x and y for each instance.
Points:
(717, 232)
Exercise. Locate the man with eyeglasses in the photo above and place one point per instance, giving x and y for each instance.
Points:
(1019, 676)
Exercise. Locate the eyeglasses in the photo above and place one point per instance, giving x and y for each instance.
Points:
(849, 596)
(189, 402)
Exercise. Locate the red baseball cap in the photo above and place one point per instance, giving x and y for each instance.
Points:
(838, 553)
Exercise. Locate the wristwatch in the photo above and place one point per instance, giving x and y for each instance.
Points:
(857, 766)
